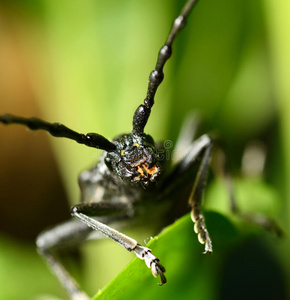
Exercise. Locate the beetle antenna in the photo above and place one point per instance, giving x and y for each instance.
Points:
(142, 113)
(58, 130)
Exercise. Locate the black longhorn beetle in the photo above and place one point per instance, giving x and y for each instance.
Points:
(131, 171)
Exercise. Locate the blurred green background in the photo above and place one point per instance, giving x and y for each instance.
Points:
(86, 64)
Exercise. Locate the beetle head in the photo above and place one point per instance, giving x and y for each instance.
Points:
(135, 158)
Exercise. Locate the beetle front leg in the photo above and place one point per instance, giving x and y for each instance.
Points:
(198, 153)
(195, 199)
(128, 243)
(73, 233)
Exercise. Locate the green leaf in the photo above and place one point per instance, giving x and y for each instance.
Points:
(186, 266)
(241, 266)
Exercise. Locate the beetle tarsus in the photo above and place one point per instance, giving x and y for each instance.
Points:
(151, 262)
